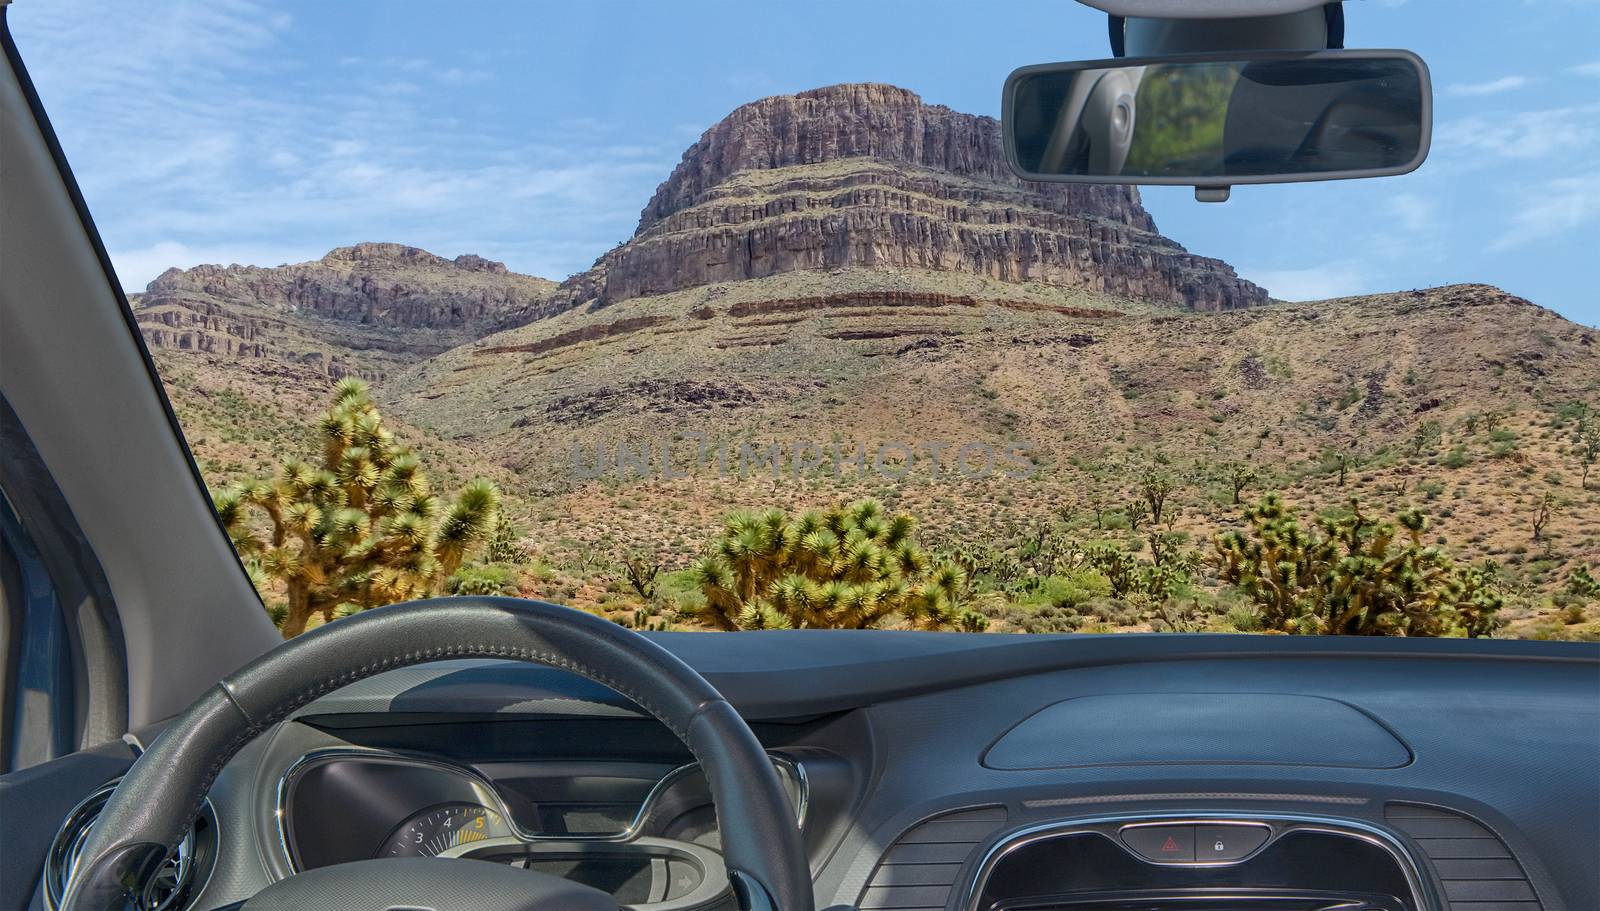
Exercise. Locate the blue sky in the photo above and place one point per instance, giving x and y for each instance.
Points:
(534, 132)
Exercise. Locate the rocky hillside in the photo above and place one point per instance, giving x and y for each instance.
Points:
(869, 177)
(363, 310)
(870, 356)
(640, 425)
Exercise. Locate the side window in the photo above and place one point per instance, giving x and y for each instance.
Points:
(36, 719)
(63, 671)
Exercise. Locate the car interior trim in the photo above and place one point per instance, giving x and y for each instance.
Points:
(66, 852)
(480, 781)
(1041, 803)
(1422, 895)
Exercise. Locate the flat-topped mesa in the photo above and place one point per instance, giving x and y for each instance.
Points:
(868, 176)
(869, 120)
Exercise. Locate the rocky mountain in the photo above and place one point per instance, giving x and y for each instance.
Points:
(365, 309)
(868, 176)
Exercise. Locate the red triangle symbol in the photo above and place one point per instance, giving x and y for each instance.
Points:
(1169, 844)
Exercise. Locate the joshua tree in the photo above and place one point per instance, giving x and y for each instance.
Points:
(1588, 454)
(1354, 575)
(1137, 511)
(505, 545)
(1164, 541)
(1426, 435)
(850, 567)
(641, 574)
(1118, 566)
(1155, 487)
(1542, 513)
(1240, 475)
(361, 528)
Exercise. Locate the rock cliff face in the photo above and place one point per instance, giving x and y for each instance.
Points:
(868, 176)
(379, 284)
(359, 309)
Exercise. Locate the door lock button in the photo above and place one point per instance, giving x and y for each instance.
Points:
(1162, 844)
(1224, 843)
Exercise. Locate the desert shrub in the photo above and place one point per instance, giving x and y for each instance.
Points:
(1457, 457)
(485, 579)
(359, 529)
(679, 593)
(1075, 590)
(1047, 618)
(1243, 619)
(1582, 582)
(1179, 616)
(850, 567)
(1111, 612)
(1354, 575)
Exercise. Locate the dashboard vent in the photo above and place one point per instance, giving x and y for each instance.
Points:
(919, 869)
(1478, 871)
(172, 886)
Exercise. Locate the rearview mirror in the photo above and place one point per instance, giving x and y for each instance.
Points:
(1217, 120)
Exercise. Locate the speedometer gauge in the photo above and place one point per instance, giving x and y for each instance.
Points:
(438, 830)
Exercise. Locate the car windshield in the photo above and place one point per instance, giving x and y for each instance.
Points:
(721, 316)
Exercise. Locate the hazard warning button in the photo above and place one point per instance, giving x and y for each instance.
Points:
(1162, 844)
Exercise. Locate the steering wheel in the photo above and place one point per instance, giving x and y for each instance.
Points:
(157, 800)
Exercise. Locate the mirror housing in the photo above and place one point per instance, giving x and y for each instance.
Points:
(1215, 120)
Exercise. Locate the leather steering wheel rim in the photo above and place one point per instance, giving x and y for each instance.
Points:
(157, 800)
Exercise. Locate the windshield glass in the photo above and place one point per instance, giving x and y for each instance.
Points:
(730, 316)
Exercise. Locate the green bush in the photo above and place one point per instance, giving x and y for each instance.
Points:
(1046, 618)
(1354, 575)
(482, 579)
(1582, 582)
(1075, 590)
(1244, 619)
(850, 567)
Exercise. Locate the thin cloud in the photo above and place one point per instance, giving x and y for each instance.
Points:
(198, 137)
(1492, 87)
(1413, 211)
(1586, 69)
(1565, 133)
(1556, 208)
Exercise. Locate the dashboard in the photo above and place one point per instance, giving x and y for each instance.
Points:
(941, 772)
(644, 833)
